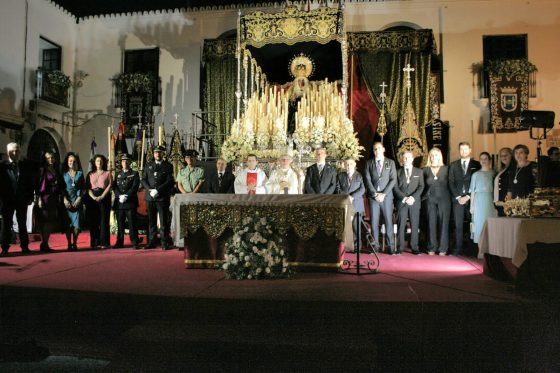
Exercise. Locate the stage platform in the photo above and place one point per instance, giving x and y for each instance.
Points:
(143, 311)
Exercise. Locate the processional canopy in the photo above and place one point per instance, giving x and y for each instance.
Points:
(280, 52)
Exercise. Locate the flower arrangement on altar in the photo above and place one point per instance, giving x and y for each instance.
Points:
(255, 251)
(135, 82)
(58, 78)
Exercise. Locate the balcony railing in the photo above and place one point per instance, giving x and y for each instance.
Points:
(50, 91)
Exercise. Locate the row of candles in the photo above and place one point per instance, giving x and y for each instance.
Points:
(267, 113)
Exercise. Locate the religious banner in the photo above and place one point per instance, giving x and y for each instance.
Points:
(509, 93)
(437, 136)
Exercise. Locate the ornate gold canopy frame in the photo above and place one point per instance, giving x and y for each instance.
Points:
(263, 109)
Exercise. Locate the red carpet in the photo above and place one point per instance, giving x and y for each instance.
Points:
(401, 278)
(143, 311)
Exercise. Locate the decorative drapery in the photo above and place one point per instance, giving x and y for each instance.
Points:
(509, 92)
(363, 112)
(219, 86)
(291, 26)
(381, 57)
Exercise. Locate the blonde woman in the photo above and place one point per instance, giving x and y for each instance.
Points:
(437, 201)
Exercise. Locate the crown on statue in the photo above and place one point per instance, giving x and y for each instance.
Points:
(301, 66)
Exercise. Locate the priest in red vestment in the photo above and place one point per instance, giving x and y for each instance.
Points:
(252, 179)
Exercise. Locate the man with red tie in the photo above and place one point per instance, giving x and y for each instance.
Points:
(252, 179)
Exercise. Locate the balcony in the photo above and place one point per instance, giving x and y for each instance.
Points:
(53, 86)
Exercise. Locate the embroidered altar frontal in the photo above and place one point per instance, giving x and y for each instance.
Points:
(315, 228)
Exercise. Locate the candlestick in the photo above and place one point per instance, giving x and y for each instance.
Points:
(142, 151)
(109, 144)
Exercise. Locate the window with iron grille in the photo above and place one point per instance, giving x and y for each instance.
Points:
(501, 47)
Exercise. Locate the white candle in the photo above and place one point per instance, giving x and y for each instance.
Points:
(109, 144)
(142, 151)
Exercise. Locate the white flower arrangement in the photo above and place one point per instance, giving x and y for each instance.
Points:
(255, 251)
(347, 145)
(316, 136)
(237, 146)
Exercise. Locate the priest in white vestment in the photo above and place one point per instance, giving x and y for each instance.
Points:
(252, 179)
(283, 180)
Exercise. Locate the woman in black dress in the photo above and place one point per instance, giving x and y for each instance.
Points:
(523, 177)
(437, 202)
(501, 181)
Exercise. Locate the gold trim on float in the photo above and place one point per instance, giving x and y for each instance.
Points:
(203, 261)
(321, 265)
(291, 26)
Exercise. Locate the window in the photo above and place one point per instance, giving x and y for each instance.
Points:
(501, 47)
(50, 55)
(138, 105)
(141, 61)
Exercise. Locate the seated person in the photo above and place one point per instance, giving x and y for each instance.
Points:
(283, 180)
(252, 179)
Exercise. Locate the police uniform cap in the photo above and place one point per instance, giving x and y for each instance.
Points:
(159, 148)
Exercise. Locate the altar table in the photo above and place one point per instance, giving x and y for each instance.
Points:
(503, 243)
(508, 237)
(319, 226)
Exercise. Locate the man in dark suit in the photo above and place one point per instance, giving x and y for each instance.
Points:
(158, 185)
(408, 192)
(380, 179)
(460, 173)
(126, 201)
(320, 178)
(222, 180)
(350, 182)
(17, 183)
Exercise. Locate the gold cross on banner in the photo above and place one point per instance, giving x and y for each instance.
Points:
(383, 95)
(408, 70)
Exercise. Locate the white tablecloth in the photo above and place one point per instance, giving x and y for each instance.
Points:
(508, 237)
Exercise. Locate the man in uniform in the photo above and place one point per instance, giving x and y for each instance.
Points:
(126, 201)
(190, 178)
(158, 184)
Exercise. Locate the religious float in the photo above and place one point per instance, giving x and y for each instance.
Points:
(310, 111)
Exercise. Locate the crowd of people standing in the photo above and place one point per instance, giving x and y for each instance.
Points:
(467, 189)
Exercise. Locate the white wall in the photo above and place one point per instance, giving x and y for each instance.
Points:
(21, 25)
